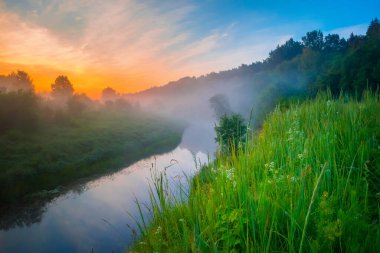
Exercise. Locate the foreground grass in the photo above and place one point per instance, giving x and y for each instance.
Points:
(308, 182)
(94, 143)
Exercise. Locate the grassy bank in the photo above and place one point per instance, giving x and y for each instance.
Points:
(82, 146)
(308, 182)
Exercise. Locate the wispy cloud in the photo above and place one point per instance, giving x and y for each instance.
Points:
(131, 45)
(346, 31)
(26, 43)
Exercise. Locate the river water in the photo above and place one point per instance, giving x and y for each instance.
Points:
(100, 215)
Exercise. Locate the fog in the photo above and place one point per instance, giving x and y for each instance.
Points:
(199, 102)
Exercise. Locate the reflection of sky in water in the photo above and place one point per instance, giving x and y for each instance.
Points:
(97, 217)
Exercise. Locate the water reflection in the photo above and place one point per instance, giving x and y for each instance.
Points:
(97, 215)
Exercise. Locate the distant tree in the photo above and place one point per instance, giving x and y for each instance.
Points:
(285, 52)
(333, 43)
(355, 41)
(313, 40)
(109, 94)
(374, 29)
(62, 88)
(230, 132)
(15, 81)
(219, 103)
(373, 32)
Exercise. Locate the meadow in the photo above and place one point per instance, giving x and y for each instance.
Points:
(91, 144)
(307, 181)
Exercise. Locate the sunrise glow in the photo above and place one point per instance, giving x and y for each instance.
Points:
(134, 45)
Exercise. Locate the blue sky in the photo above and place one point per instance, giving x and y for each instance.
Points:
(137, 44)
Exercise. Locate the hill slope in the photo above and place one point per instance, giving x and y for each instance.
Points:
(294, 68)
(308, 182)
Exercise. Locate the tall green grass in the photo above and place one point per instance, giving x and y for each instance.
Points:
(307, 182)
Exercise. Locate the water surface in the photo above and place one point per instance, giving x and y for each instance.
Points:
(99, 215)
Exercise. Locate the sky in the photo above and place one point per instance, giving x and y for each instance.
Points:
(132, 45)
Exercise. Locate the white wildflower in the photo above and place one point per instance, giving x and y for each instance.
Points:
(230, 173)
(158, 230)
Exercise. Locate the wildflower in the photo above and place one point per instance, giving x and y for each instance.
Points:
(158, 230)
(230, 173)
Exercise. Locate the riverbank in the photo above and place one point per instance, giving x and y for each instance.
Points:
(308, 182)
(95, 143)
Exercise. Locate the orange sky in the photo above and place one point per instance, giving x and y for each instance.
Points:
(132, 45)
(89, 81)
(45, 54)
(127, 45)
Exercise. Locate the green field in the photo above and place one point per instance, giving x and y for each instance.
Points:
(308, 181)
(93, 143)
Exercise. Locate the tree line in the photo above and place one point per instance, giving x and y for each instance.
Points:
(302, 68)
(22, 109)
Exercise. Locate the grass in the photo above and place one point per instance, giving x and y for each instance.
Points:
(91, 144)
(307, 182)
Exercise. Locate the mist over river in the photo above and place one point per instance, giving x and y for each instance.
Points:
(97, 214)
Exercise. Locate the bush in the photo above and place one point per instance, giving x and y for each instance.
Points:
(230, 133)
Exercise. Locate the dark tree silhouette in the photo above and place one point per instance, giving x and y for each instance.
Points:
(285, 52)
(374, 29)
(109, 94)
(313, 40)
(334, 44)
(16, 81)
(62, 88)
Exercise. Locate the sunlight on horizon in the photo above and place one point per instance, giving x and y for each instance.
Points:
(133, 45)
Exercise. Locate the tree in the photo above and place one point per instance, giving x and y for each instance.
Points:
(16, 81)
(355, 41)
(373, 31)
(109, 94)
(219, 103)
(313, 40)
(230, 133)
(333, 43)
(21, 81)
(62, 88)
(285, 52)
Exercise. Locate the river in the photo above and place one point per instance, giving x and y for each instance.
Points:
(99, 215)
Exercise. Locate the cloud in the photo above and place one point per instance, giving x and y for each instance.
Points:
(130, 45)
(346, 31)
(24, 43)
